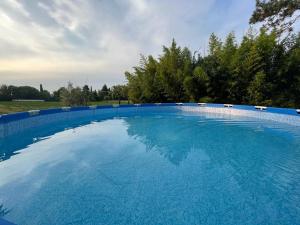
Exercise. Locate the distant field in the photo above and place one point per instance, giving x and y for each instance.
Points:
(10, 107)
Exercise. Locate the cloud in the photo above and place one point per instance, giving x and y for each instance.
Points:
(99, 40)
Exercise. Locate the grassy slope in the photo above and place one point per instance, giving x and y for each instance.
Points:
(10, 107)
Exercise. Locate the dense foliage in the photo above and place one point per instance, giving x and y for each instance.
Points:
(259, 70)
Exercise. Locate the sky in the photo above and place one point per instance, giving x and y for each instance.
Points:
(95, 41)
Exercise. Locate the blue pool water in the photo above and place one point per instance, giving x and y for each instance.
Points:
(152, 168)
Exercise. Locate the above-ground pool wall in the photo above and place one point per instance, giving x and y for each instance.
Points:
(19, 122)
(287, 116)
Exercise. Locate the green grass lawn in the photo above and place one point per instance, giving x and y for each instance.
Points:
(10, 106)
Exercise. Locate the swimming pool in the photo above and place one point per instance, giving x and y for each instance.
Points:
(151, 164)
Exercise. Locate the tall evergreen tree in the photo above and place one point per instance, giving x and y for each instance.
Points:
(196, 85)
(260, 70)
(173, 67)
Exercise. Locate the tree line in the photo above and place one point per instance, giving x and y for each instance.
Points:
(261, 69)
(70, 95)
(11, 92)
(264, 68)
(81, 96)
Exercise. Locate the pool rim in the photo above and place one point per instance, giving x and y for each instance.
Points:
(6, 118)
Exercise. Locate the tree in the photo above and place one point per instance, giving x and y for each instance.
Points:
(288, 76)
(215, 45)
(228, 56)
(8, 93)
(196, 85)
(56, 94)
(95, 96)
(257, 89)
(119, 92)
(251, 64)
(134, 87)
(105, 88)
(104, 93)
(218, 75)
(148, 77)
(86, 94)
(174, 66)
(72, 96)
(228, 51)
(45, 95)
(25, 92)
(5, 93)
(41, 88)
(279, 15)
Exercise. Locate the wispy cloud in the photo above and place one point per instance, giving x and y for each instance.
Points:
(96, 41)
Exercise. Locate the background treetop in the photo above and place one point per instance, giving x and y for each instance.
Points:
(279, 15)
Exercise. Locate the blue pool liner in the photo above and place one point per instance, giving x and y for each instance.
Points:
(5, 222)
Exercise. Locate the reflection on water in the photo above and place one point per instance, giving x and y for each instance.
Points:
(3, 211)
(157, 133)
(154, 169)
(9, 145)
(174, 137)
